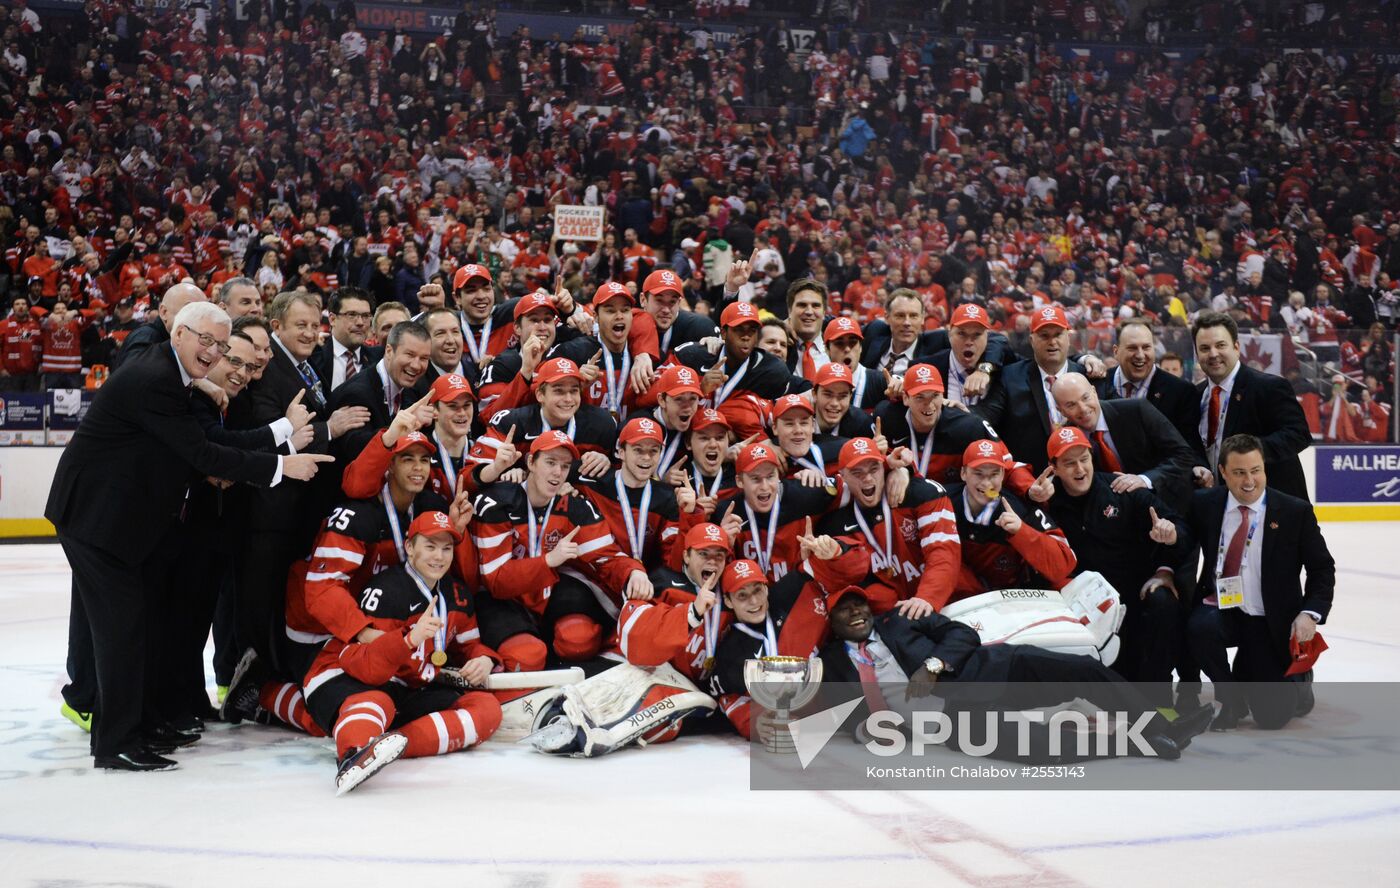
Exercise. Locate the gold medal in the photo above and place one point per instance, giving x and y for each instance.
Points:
(439, 658)
(709, 664)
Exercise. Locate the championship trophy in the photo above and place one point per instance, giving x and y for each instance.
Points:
(780, 685)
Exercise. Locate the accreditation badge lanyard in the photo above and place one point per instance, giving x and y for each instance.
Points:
(1229, 591)
(924, 453)
(438, 657)
(884, 560)
(394, 528)
(388, 385)
(815, 461)
(727, 389)
(700, 480)
(769, 636)
(617, 381)
(448, 467)
(475, 346)
(636, 528)
(764, 551)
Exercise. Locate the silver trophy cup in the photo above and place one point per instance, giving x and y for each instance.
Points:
(780, 685)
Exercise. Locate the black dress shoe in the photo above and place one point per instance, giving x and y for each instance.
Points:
(1164, 746)
(1228, 719)
(164, 734)
(187, 724)
(1306, 699)
(1189, 725)
(139, 760)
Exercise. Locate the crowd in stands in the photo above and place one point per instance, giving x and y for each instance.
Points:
(142, 146)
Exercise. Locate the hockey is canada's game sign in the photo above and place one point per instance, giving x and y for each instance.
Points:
(575, 223)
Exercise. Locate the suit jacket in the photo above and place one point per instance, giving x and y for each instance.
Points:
(877, 343)
(124, 477)
(1024, 420)
(993, 403)
(212, 421)
(286, 508)
(1292, 543)
(1263, 405)
(323, 360)
(1176, 398)
(366, 390)
(139, 340)
(1148, 444)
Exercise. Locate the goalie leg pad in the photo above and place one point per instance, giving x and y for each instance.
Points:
(622, 706)
(526, 714)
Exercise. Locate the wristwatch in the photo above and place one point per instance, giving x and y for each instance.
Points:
(935, 666)
(986, 367)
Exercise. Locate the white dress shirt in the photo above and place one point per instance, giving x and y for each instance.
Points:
(898, 362)
(1251, 570)
(1120, 381)
(338, 353)
(1226, 387)
(1108, 442)
(1056, 417)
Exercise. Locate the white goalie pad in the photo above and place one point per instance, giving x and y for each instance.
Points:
(623, 706)
(1082, 618)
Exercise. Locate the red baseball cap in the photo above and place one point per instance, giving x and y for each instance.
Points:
(612, 290)
(741, 573)
(663, 280)
(755, 455)
(859, 450)
(738, 314)
(1047, 316)
(432, 523)
(1305, 654)
(679, 379)
(534, 302)
(640, 428)
(470, 272)
(833, 372)
(791, 402)
(706, 417)
(967, 313)
(553, 440)
(922, 378)
(708, 536)
(412, 439)
(556, 369)
(986, 452)
(842, 327)
(449, 388)
(1064, 439)
(834, 597)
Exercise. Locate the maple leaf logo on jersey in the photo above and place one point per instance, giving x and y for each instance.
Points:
(552, 539)
(907, 527)
(1110, 511)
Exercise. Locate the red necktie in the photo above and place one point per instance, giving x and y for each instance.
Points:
(809, 362)
(1213, 421)
(1108, 460)
(351, 368)
(1235, 553)
(1128, 389)
(869, 685)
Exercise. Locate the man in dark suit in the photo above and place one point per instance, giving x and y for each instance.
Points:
(1132, 441)
(1256, 539)
(901, 340)
(972, 378)
(1137, 376)
(385, 387)
(158, 329)
(283, 521)
(117, 501)
(345, 354)
(936, 655)
(1030, 414)
(1238, 400)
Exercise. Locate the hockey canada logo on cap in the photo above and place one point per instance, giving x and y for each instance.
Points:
(1066, 435)
(714, 534)
(845, 325)
(564, 365)
(685, 376)
(441, 520)
(985, 448)
(647, 426)
(758, 452)
(741, 569)
(457, 381)
(415, 438)
(744, 308)
(473, 270)
(971, 311)
(840, 371)
(667, 277)
(1047, 314)
(860, 445)
(923, 373)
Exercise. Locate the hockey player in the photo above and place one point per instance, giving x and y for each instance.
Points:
(938, 435)
(782, 618)
(678, 399)
(707, 473)
(558, 388)
(641, 512)
(910, 546)
(663, 295)
(451, 406)
(838, 416)
(1006, 542)
(766, 517)
(486, 326)
(377, 698)
(810, 463)
(844, 340)
(505, 383)
(554, 571)
(684, 623)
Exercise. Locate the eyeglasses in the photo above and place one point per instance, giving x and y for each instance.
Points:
(207, 341)
(239, 363)
(355, 315)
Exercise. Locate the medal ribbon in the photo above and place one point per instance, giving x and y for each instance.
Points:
(764, 552)
(924, 453)
(723, 394)
(440, 611)
(885, 556)
(769, 636)
(448, 467)
(477, 348)
(617, 381)
(393, 516)
(636, 528)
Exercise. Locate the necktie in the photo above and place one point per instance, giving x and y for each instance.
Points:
(1213, 420)
(869, 686)
(809, 362)
(1107, 460)
(312, 380)
(1129, 388)
(351, 368)
(1234, 555)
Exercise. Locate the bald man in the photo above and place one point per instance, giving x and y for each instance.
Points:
(158, 330)
(1133, 442)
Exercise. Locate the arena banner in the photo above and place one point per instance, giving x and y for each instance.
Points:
(1357, 474)
(22, 417)
(575, 223)
(67, 407)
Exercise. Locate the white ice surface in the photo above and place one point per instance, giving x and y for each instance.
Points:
(254, 806)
